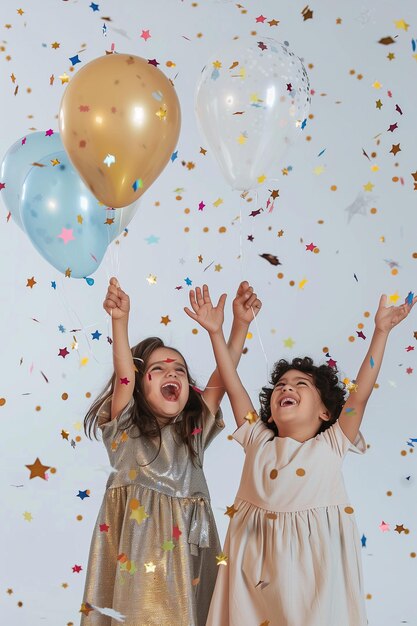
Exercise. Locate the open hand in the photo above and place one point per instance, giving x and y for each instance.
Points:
(117, 302)
(246, 304)
(208, 316)
(389, 316)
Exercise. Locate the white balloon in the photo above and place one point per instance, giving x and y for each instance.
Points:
(251, 103)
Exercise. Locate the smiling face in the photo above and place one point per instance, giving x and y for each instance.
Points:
(165, 384)
(296, 406)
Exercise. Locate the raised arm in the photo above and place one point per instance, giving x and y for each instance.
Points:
(211, 318)
(246, 305)
(385, 319)
(117, 305)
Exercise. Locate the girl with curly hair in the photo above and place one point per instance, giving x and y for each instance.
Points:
(292, 550)
(153, 552)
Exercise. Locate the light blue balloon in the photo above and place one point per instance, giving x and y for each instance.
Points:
(56, 206)
(17, 162)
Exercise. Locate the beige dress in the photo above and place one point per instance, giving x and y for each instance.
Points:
(293, 547)
(153, 551)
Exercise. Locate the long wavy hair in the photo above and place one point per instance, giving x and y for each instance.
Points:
(332, 391)
(141, 417)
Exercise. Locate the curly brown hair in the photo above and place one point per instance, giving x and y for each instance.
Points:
(332, 391)
(141, 416)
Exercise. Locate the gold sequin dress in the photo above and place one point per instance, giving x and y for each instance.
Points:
(292, 545)
(153, 551)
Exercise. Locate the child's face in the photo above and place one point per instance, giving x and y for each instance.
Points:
(165, 384)
(302, 409)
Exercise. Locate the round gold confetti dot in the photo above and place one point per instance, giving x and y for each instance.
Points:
(178, 197)
(413, 555)
(352, 72)
(348, 510)
(249, 336)
(411, 451)
(403, 452)
(271, 516)
(20, 604)
(170, 64)
(407, 531)
(395, 179)
(311, 116)
(195, 331)
(394, 271)
(376, 386)
(186, 211)
(186, 229)
(320, 222)
(333, 188)
(360, 326)
(38, 408)
(373, 154)
(351, 339)
(273, 474)
(133, 504)
(64, 396)
(79, 518)
(205, 229)
(310, 66)
(222, 229)
(280, 275)
(373, 211)
(230, 437)
(132, 474)
(316, 250)
(199, 35)
(53, 470)
(366, 314)
(359, 76)
(88, 394)
(369, 596)
(292, 283)
(300, 472)
(325, 349)
(78, 438)
(389, 493)
(2, 401)
(414, 255)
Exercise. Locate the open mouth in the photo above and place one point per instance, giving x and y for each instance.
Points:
(286, 402)
(171, 391)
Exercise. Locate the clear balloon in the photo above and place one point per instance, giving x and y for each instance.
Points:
(119, 121)
(252, 103)
(17, 162)
(64, 221)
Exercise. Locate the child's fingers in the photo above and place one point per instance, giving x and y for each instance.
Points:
(191, 314)
(242, 287)
(199, 296)
(251, 301)
(206, 295)
(222, 302)
(193, 302)
(114, 281)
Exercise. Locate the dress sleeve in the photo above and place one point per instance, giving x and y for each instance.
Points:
(211, 427)
(256, 433)
(108, 425)
(339, 443)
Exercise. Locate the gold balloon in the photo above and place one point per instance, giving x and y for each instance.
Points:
(119, 122)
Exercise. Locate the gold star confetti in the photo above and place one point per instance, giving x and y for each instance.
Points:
(379, 104)
(151, 279)
(251, 417)
(394, 297)
(55, 45)
(218, 268)
(401, 25)
(165, 320)
(161, 114)
(221, 559)
(368, 187)
(55, 162)
(31, 282)
(230, 511)
(376, 85)
(64, 78)
(288, 343)
(168, 545)
(261, 179)
(27, 516)
(139, 514)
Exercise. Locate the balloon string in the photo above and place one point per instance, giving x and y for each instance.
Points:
(69, 309)
(243, 199)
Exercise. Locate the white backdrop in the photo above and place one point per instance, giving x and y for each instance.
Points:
(365, 234)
